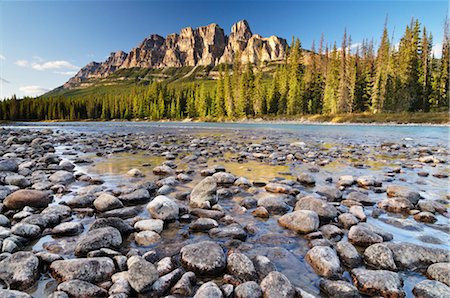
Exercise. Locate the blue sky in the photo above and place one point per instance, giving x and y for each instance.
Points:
(43, 43)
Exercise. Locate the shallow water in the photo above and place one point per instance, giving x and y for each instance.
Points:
(285, 248)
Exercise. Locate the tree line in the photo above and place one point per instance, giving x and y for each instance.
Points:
(330, 80)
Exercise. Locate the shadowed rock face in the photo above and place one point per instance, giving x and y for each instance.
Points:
(202, 46)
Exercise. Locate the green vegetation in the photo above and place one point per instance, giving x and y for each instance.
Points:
(392, 84)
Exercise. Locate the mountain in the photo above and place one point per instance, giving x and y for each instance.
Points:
(202, 46)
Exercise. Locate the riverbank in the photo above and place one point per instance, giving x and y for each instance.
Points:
(432, 118)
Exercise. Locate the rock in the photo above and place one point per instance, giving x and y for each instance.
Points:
(43, 220)
(331, 193)
(277, 285)
(204, 257)
(17, 180)
(306, 179)
(249, 289)
(155, 225)
(367, 181)
(92, 270)
(379, 256)
(261, 212)
(223, 178)
(431, 206)
(139, 196)
(13, 294)
(278, 188)
(263, 266)
(207, 290)
(360, 197)
(358, 211)
(347, 220)
(163, 208)
(163, 284)
(440, 272)
(302, 221)
(61, 177)
(19, 270)
(274, 204)
(431, 289)
(378, 282)
(243, 182)
(203, 224)
(81, 289)
(331, 232)
(81, 201)
(425, 216)
(325, 210)
(126, 212)
(108, 237)
(26, 230)
(338, 288)
(403, 192)
(184, 287)
(164, 266)
(346, 180)
(363, 236)
(115, 222)
(241, 267)
(27, 197)
(397, 205)
(412, 256)
(146, 238)
(234, 231)
(135, 173)
(141, 274)
(204, 194)
(163, 170)
(324, 261)
(107, 202)
(8, 165)
(68, 229)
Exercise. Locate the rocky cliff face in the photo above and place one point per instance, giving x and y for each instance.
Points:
(205, 46)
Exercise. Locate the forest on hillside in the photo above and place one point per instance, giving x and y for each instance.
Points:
(336, 79)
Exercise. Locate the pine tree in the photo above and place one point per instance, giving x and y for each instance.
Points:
(220, 95)
(294, 91)
(344, 95)
(332, 83)
(381, 74)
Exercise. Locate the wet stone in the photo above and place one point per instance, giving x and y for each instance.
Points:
(68, 229)
(324, 261)
(234, 231)
(92, 270)
(19, 270)
(440, 272)
(338, 288)
(248, 289)
(80, 288)
(26, 197)
(241, 267)
(277, 285)
(108, 237)
(141, 274)
(378, 282)
(431, 289)
(379, 256)
(302, 221)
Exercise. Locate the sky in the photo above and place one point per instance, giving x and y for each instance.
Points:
(44, 43)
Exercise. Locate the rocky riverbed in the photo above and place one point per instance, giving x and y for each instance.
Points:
(182, 212)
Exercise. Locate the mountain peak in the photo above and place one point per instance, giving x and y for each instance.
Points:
(205, 46)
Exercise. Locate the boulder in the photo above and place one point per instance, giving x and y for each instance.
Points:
(274, 204)
(277, 285)
(440, 272)
(92, 270)
(324, 261)
(207, 290)
(363, 236)
(240, 266)
(325, 210)
(163, 208)
(204, 257)
(204, 194)
(68, 229)
(115, 222)
(338, 288)
(81, 289)
(306, 179)
(431, 289)
(8, 165)
(61, 177)
(27, 197)
(414, 256)
(403, 192)
(234, 231)
(19, 270)
(155, 225)
(331, 193)
(141, 274)
(13, 294)
(146, 238)
(348, 254)
(108, 237)
(379, 256)
(107, 202)
(378, 282)
(249, 289)
(139, 196)
(302, 221)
